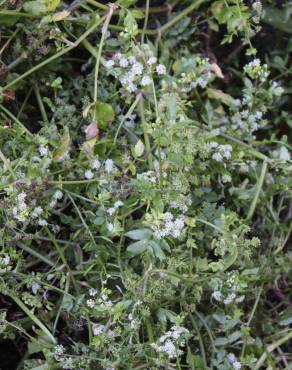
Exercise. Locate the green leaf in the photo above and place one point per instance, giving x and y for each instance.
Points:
(138, 247)
(139, 234)
(130, 24)
(104, 114)
(221, 96)
(157, 250)
(35, 7)
(138, 149)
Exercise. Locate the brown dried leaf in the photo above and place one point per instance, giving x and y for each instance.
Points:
(91, 131)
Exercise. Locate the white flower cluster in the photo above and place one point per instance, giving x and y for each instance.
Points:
(196, 72)
(248, 122)
(99, 329)
(95, 165)
(148, 176)
(168, 225)
(170, 342)
(58, 195)
(101, 302)
(218, 296)
(221, 151)
(233, 361)
(229, 291)
(258, 9)
(4, 263)
(135, 69)
(59, 350)
(283, 154)
(112, 210)
(255, 70)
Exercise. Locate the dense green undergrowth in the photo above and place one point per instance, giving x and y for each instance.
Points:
(145, 165)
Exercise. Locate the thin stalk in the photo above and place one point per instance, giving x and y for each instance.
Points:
(40, 103)
(97, 4)
(15, 119)
(258, 190)
(145, 21)
(146, 136)
(7, 164)
(44, 329)
(36, 254)
(271, 348)
(111, 8)
(130, 111)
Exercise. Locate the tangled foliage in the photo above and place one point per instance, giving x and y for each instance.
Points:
(145, 184)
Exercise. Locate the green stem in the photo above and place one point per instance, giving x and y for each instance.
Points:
(103, 35)
(145, 21)
(36, 254)
(271, 348)
(33, 318)
(130, 111)
(146, 136)
(15, 119)
(258, 190)
(40, 103)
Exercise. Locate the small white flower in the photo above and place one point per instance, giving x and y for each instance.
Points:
(21, 196)
(161, 69)
(137, 68)
(43, 151)
(59, 350)
(109, 165)
(42, 222)
(132, 59)
(231, 358)
(151, 61)
(109, 64)
(217, 157)
(97, 329)
(88, 174)
(111, 211)
(217, 296)
(95, 164)
(110, 227)
(37, 212)
(236, 365)
(92, 292)
(58, 195)
(123, 62)
(146, 80)
(226, 178)
(118, 204)
(90, 303)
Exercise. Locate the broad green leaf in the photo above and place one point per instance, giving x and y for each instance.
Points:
(103, 113)
(138, 247)
(139, 234)
(35, 7)
(157, 250)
